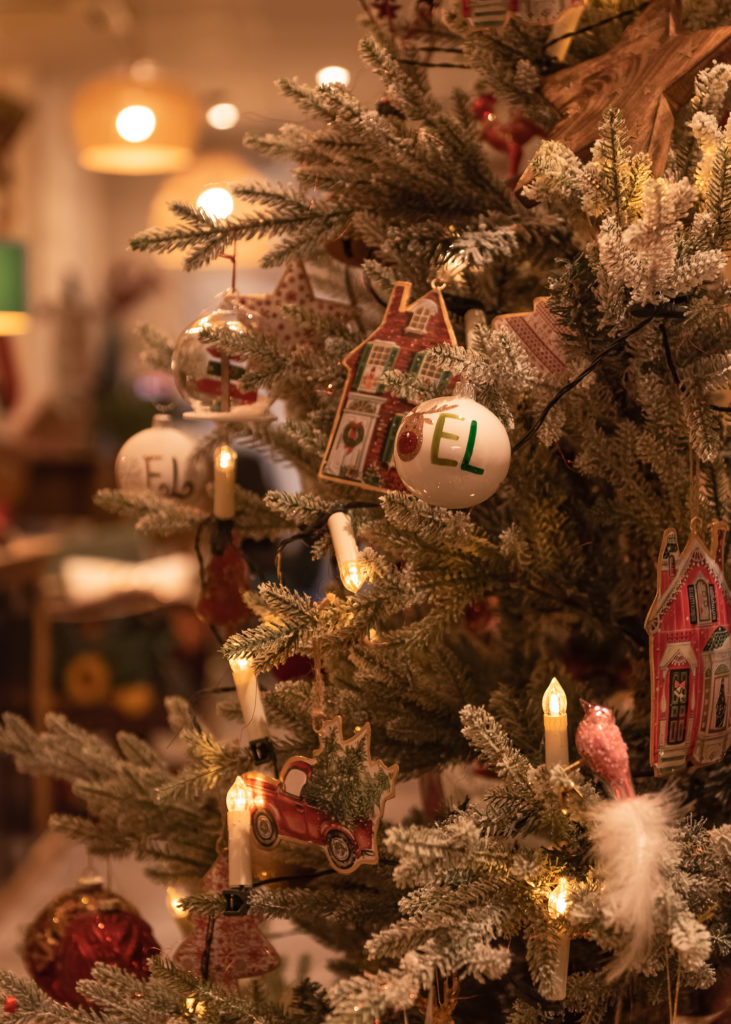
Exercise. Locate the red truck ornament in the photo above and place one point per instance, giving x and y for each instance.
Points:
(279, 811)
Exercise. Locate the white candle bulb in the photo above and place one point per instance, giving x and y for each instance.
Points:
(224, 480)
(252, 707)
(353, 572)
(555, 724)
(559, 900)
(239, 833)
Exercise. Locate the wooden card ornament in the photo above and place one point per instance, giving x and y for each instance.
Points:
(649, 75)
(689, 626)
(540, 334)
(333, 800)
(361, 446)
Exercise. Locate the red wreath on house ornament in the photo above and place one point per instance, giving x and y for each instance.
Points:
(353, 434)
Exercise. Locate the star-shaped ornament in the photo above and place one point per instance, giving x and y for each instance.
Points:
(293, 289)
(649, 75)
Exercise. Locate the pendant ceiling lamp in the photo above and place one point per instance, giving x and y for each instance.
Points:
(13, 318)
(135, 122)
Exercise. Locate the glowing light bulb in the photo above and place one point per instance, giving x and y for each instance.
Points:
(333, 74)
(135, 123)
(194, 1005)
(222, 116)
(555, 724)
(237, 798)
(353, 575)
(224, 482)
(173, 899)
(353, 571)
(559, 899)
(217, 202)
(554, 699)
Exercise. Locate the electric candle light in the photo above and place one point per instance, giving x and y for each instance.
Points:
(558, 903)
(555, 724)
(247, 690)
(224, 479)
(172, 898)
(239, 834)
(353, 572)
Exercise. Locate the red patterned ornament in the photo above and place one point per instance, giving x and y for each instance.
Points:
(236, 949)
(221, 602)
(361, 446)
(82, 927)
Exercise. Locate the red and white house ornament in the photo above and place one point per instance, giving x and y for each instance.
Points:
(452, 451)
(361, 445)
(689, 626)
(163, 459)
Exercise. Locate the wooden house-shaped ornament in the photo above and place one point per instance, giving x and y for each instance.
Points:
(360, 449)
(690, 653)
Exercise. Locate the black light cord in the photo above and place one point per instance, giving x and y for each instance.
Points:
(538, 423)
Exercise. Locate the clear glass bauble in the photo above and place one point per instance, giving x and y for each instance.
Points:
(196, 363)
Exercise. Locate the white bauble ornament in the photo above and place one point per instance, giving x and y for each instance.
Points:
(452, 452)
(196, 364)
(162, 459)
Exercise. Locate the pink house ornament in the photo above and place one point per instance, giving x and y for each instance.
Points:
(360, 450)
(690, 653)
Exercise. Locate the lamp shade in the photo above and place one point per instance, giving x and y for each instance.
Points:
(13, 318)
(127, 125)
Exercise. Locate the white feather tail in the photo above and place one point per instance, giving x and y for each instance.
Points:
(633, 851)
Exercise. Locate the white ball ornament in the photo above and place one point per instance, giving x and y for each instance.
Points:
(452, 451)
(163, 459)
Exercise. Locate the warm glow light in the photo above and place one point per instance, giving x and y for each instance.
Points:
(225, 456)
(558, 900)
(237, 798)
(194, 1005)
(173, 897)
(135, 123)
(223, 116)
(332, 75)
(353, 575)
(216, 202)
(554, 701)
(240, 664)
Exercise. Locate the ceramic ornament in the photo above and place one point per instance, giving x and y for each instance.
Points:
(690, 653)
(333, 800)
(163, 459)
(452, 451)
(361, 445)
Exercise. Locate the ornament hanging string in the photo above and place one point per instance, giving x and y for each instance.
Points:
(318, 687)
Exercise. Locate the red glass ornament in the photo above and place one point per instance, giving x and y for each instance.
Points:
(11, 1004)
(82, 927)
(296, 667)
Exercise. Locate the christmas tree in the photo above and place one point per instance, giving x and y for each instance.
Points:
(585, 306)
